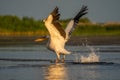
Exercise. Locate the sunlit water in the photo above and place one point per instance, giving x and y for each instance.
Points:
(44, 70)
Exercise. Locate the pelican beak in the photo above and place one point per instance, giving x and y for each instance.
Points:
(41, 39)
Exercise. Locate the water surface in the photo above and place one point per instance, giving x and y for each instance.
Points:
(45, 70)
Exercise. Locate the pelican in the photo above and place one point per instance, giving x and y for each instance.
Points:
(57, 35)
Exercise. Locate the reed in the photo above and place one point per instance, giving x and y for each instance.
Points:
(15, 26)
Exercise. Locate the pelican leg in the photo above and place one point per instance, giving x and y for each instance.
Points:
(63, 58)
(58, 58)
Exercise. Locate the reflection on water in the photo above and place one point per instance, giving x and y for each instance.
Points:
(56, 72)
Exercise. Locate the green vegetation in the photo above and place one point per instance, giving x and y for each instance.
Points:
(89, 29)
(15, 26)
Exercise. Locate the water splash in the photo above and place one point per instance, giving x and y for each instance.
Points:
(92, 57)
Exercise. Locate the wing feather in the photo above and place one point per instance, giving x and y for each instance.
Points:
(55, 14)
(72, 24)
(57, 29)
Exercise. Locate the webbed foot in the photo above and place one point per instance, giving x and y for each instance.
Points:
(57, 60)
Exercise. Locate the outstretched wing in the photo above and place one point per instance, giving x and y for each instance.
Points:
(54, 26)
(55, 14)
(72, 24)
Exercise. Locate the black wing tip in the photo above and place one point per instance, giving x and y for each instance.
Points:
(55, 13)
(55, 10)
(82, 12)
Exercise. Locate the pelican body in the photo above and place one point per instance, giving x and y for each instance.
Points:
(57, 35)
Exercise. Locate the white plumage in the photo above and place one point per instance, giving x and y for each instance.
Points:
(58, 36)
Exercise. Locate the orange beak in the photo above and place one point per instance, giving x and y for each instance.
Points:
(40, 39)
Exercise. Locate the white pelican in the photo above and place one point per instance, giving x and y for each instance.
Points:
(58, 36)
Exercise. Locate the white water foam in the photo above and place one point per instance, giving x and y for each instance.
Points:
(92, 57)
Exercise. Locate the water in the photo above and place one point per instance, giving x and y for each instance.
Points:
(44, 70)
(92, 57)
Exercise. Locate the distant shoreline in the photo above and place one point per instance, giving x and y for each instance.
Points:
(95, 40)
(75, 40)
